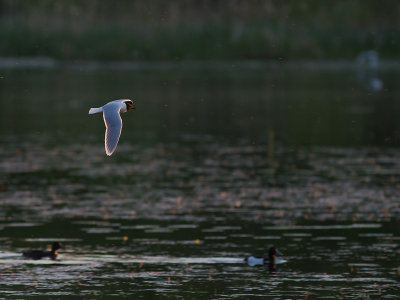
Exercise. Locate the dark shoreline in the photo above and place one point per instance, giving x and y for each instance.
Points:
(50, 63)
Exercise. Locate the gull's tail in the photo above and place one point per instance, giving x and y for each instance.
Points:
(95, 110)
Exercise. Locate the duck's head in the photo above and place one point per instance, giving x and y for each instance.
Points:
(272, 254)
(55, 246)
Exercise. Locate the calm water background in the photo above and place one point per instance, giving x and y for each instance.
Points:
(216, 163)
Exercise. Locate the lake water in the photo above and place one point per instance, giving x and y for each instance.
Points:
(216, 163)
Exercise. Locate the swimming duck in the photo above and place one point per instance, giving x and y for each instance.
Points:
(39, 254)
(272, 260)
(112, 119)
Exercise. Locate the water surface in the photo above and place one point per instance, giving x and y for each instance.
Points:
(215, 164)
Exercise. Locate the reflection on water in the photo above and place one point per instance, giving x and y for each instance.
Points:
(214, 166)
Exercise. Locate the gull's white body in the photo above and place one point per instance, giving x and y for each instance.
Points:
(112, 119)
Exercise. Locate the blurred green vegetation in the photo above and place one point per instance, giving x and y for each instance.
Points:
(194, 29)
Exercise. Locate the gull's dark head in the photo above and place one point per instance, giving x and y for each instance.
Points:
(130, 104)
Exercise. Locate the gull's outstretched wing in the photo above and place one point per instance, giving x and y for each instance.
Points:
(113, 122)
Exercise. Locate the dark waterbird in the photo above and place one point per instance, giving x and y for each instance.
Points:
(39, 254)
(272, 260)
